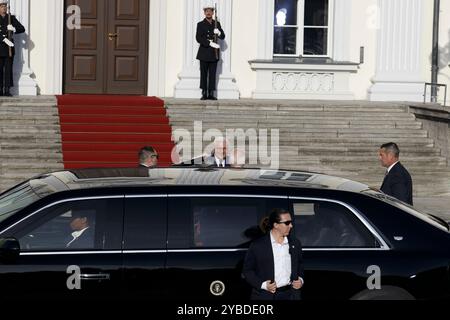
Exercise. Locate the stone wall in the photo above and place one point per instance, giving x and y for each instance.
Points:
(436, 120)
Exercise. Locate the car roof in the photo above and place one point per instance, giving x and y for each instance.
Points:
(201, 176)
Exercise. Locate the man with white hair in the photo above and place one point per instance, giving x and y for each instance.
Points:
(219, 156)
(208, 31)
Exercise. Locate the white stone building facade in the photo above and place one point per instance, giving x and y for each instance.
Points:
(377, 50)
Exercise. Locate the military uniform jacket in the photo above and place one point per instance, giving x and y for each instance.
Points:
(205, 32)
(4, 48)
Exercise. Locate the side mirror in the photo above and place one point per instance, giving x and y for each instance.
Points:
(9, 250)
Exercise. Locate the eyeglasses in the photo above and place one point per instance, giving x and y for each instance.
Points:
(288, 223)
(155, 156)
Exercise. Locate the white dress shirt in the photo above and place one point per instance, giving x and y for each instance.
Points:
(220, 162)
(76, 235)
(282, 260)
(390, 168)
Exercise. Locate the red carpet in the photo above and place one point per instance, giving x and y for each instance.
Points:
(108, 131)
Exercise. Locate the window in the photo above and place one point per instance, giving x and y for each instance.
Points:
(145, 223)
(322, 224)
(74, 226)
(302, 27)
(217, 222)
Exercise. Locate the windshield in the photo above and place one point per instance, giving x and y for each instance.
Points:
(431, 219)
(16, 199)
(29, 192)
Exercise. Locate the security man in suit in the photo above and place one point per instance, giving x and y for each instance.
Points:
(397, 181)
(209, 51)
(273, 265)
(148, 157)
(8, 26)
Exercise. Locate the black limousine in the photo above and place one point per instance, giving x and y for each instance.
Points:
(151, 233)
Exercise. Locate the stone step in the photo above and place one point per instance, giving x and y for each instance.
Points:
(29, 127)
(27, 111)
(19, 117)
(283, 107)
(323, 150)
(293, 125)
(24, 166)
(29, 154)
(299, 114)
(376, 171)
(364, 157)
(362, 166)
(14, 147)
(299, 124)
(28, 99)
(300, 130)
(209, 120)
(375, 142)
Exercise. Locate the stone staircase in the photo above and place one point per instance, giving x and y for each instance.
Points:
(337, 138)
(30, 139)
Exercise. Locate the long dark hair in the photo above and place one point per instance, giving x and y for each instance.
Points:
(274, 217)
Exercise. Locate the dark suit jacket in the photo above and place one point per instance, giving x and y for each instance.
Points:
(398, 183)
(259, 266)
(85, 241)
(211, 161)
(205, 32)
(4, 48)
(204, 161)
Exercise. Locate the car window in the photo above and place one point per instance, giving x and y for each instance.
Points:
(145, 224)
(73, 226)
(217, 222)
(320, 224)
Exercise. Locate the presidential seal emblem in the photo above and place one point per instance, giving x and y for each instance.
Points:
(217, 288)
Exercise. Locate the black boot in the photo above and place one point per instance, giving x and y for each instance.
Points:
(211, 95)
(204, 95)
(7, 93)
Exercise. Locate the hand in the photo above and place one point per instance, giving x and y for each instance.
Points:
(271, 286)
(8, 42)
(213, 45)
(11, 28)
(217, 31)
(298, 284)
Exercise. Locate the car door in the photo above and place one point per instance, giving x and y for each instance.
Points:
(341, 250)
(69, 249)
(144, 246)
(207, 242)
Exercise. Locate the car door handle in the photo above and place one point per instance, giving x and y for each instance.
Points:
(97, 277)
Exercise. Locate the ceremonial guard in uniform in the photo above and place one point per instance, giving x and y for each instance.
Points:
(8, 26)
(208, 33)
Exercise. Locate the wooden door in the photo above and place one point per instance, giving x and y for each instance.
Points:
(109, 54)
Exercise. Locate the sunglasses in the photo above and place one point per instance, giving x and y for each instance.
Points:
(285, 222)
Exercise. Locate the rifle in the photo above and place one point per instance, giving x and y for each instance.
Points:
(8, 12)
(215, 27)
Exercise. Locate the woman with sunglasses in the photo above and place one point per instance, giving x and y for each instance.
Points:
(273, 265)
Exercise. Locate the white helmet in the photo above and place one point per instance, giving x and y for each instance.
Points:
(208, 5)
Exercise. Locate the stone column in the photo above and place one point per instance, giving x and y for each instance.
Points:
(23, 83)
(398, 71)
(188, 86)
